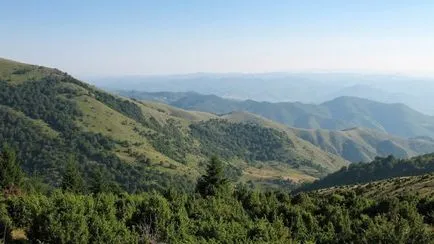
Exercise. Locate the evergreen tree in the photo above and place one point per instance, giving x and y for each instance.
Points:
(214, 180)
(10, 172)
(72, 179)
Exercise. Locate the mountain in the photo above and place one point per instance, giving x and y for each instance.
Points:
(338, 114)
(355, 144)
(52, 118)
(379, 169)
(363, 145)
(288, 87)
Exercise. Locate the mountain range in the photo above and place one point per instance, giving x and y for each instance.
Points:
(338, 114)
(287, 87)
(50, 118)
(353, 128)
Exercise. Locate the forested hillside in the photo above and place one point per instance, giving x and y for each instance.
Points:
(420, 185)
(354, 144)
(380, 168)
(338, 114)
(51, 118)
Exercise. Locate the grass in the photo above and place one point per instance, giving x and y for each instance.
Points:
(100, 118)
(16, 72)
(363, 145)
(422, 185)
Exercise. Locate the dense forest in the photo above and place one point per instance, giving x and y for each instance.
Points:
(216, 212)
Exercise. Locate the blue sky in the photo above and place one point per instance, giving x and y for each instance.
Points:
(168, 37)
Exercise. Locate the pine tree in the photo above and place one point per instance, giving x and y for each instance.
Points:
(10, 172)
(214, 180)
(72, 179)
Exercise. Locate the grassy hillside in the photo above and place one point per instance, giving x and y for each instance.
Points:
(338, 114)
(380, 168)
(355, 144)
(421, 185)
(363, 145)
(49, 117)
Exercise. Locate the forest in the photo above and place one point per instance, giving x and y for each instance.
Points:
(216, 211)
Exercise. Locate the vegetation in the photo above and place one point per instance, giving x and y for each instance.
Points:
(363, 145)
(217, 213)
(249, 142)
(10, 175)
(380, 168)
(136, 146)
(102, 169)
(420, 185)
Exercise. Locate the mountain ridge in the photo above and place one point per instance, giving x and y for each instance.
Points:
(337, 114)
(132, 140)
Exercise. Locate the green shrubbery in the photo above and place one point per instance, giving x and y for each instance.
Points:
(216, 213)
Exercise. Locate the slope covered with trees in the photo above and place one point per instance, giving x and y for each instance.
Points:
(380, 168)
(49, 117)
(354, 144)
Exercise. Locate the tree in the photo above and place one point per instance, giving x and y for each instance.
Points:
(214, 180)
(72, 179)
(101, 183)
(10, 172)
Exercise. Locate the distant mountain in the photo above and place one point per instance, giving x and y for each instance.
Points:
(354, 145)
(51, 117)
(338, 114)
(288, 87)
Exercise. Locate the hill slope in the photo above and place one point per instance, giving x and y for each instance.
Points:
(48, 115)
(380, 168)
(421, 185)
(355, 145)
(338, 114)
(363, 145)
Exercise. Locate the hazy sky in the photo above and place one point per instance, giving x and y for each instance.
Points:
(95, 37)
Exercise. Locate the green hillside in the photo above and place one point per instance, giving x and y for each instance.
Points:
(355, 145)
(379, 169)
(49, 117)
(421, 185)
(363, 145)
(338, 114)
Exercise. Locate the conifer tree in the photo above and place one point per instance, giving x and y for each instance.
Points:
(72, 179)
(10, 172)
(214, 180)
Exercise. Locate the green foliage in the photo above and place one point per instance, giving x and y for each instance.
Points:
(45, 131)
(244, 217)
(72, 180)
(248, 141)
(380, 168)
(10, 171)
(214, 181)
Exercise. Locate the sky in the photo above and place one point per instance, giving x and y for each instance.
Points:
(112, 38)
